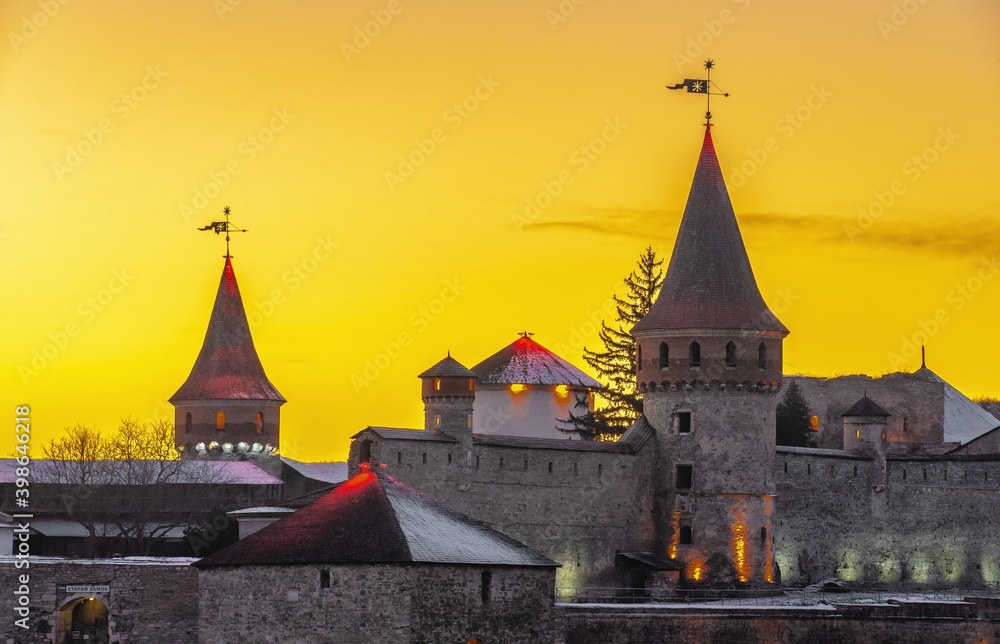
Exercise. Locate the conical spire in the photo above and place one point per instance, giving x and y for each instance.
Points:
(709, 282)
(227, 367)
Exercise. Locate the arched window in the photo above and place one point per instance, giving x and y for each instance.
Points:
(731, 354)
(763, 536)
(638, 357)
(664, 356)
(365, 455)
(694, 355)
(762, 356)
(260, 423)
(220, 420)
(437, 384)
(187, 423)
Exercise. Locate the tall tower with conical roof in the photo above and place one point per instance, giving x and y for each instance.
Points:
(227, 398)
(709, 366)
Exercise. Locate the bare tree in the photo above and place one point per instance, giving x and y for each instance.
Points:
(128, 489)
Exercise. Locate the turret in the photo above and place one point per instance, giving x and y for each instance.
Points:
(448, 390)
(865, 425)
(709, 365)
(227, 399)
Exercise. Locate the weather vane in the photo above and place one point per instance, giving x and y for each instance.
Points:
(702, 86)
(224, 227)
(525, 334)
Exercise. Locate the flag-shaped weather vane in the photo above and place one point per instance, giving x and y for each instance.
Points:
(702, 86)
(224, 227)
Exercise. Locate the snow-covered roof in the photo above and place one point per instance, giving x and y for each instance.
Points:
(111, 472)
(963, 419)
(372, 518)
(261, 509)
(70, 528)
(328, 472)
(526, 362)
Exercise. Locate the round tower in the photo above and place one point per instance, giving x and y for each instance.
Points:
(227, 402)
(448, 390)
(865, 425)
(709, 365)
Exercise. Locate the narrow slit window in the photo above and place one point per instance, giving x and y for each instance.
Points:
(664, 356)
(484, 589)
(730, 355)
(694, 355)
(187, 423)
(220, 420)
(260, 423)
(324, 578)
(762, 356)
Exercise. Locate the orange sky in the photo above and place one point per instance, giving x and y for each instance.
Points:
(125, 125)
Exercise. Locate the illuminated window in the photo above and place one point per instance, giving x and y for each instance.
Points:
(437, 421)
(472, 384)
(814, 423)
(516, 388)
(857, 433)
(762, 357)
(220, 420)
(324, 578)
(468, 421)
(694, 355)
(562, 391)
(664, 356)
(437, 384)
(684, 477)
(683, 422)
(187, 423)
(484, 589)
(260, 423)
(731, 355)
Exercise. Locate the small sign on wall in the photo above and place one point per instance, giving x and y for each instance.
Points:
(88, 588)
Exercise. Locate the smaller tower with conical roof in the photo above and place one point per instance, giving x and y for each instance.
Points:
(227, 398)
(448, 390)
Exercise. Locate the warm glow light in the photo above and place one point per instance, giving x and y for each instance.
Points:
(740, 552)
(517, 388)
(675, 535)
(562, 391)
(696, 569)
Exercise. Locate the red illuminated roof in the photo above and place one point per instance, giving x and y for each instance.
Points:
(709, 282)
(524, 361)
(372, 518)
(227, 367)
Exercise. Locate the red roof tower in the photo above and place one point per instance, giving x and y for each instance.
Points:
(227, 398)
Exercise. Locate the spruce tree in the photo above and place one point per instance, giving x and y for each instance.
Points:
(621, 403)
(792, 419)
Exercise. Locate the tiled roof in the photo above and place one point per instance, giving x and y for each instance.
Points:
(408, 434)
(964, 420)
(329, 472)
(372, 518)
(448, 367)
(866, 407)
(171, 472)
(709, 282)
(526, 362)
(227, 367)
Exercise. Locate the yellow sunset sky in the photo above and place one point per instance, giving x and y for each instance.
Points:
(859, 144)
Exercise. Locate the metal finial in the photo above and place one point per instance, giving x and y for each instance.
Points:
(525, 334)
(698, 86)
(923, 356)
(224, 227)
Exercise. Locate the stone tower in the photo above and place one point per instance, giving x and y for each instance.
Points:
(448, 390)
(227, 398)
(710, 366)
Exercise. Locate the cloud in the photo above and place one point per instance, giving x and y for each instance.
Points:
(956, 235)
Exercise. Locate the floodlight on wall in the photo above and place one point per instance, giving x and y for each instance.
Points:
(200, 448)
(227, 448)
(243, 447)
(256, 448)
